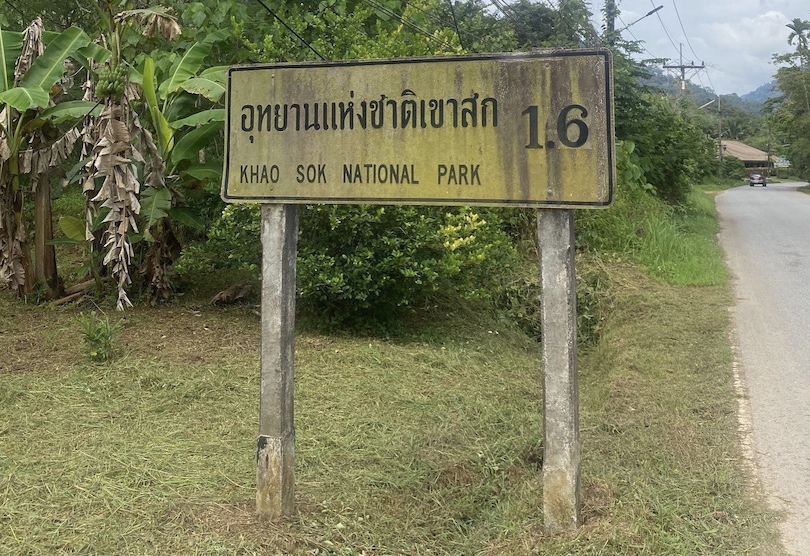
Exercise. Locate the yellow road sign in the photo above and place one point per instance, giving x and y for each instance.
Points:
(507, 129)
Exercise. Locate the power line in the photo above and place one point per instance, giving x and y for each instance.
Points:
(291, 30)
(408, 23)
(509, 14)
(455, 23)
(360, 30)
(664, 27)
(685, 36)
(432, 16)
(640, 42)
(683, 67)
(709, 77)
(443, 21)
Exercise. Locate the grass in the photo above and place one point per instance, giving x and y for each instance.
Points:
(683, 249)
(426, 442)
(677, 245)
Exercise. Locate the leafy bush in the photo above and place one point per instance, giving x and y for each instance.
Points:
(620, 228)
(674, 153)
(367, 262)
(734, 168)
(234, 242)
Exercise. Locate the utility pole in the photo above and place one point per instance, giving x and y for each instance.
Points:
(719, 138)
(683, 67)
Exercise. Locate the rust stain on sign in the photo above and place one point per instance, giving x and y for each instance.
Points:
(509, 129)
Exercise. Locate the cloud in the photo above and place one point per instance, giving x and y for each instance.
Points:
(742, 50)
(736, 39)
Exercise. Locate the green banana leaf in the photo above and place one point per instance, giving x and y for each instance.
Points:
(74, 228)
(208, 88)
(210, 171)
(165, 134)
(10, 49)
(215, 73)
(47, 69)
(189, 217)
(192, 142)
(23, 98)
(70, 111)
(155, 204)
(92, 50)
(200, 118)
(189, 64)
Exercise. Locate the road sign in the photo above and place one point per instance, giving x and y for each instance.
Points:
(508, 129)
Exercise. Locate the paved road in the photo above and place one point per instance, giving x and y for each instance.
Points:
(766, 237)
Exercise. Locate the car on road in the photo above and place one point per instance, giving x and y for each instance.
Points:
(756, 179)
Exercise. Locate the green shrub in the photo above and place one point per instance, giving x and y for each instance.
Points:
(674, 153)
(371, 260)
(363, 262)
(733, 168)
(234, 242)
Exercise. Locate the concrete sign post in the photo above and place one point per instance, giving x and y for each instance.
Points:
(275, 450)
(523, 130)
(561, 476)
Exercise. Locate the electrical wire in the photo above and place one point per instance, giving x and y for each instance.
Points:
(664, 27)
(431, 15)
(640, 42)
(685, 36)
(455, 23)
(361, 31)
(291, 30)
(442, 21)
(709, 77)
(410, 24)
(509, 13)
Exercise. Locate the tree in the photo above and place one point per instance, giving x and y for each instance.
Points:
(792, 114)
(32, 145)
(183, 130)
(800, 32)
(112, 183)
(54, 15)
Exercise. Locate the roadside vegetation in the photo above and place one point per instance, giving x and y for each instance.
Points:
(129, 391)
(427, 439)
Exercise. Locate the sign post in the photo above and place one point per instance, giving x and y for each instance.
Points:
(561, 474)
(521, 130)
(275, 447)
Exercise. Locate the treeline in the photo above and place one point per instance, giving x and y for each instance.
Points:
(788, 115)
(132, 125)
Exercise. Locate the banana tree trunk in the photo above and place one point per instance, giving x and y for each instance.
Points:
(44, 252)
(22, 252)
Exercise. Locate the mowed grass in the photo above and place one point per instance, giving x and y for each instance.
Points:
(424, 442)
(428, 443)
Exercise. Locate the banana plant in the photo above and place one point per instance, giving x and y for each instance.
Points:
(30, 70)
(182, 130)
(115, 140)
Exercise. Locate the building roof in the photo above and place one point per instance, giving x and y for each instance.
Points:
(744, 152)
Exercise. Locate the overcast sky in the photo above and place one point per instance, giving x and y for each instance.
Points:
(736, 39)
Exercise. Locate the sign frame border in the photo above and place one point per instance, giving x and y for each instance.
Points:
(540, 53)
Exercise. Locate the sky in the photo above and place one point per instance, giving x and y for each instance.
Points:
(735, 39)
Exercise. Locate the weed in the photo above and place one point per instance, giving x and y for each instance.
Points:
(99, 335)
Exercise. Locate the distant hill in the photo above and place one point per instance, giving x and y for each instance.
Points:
(751, 102)
(763, 93)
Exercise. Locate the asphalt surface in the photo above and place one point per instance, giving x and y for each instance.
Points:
(765, 232)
